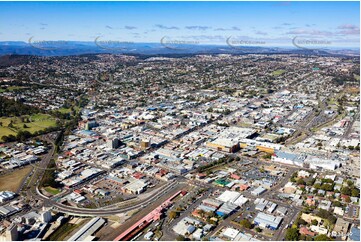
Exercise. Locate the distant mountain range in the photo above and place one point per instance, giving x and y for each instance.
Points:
(66, 48)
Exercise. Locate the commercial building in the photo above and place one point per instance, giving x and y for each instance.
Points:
(212, 202)
(267, 221)
(303, 160)
(341, 228)
(6, 196)
(113, 143)
(186, 226)
(229, 139)
(226, 209)
(11, 233)
(288, 158)
(258, 191)
(87, 230)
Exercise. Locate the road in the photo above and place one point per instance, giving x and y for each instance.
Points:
(146, 209)
(34, 195)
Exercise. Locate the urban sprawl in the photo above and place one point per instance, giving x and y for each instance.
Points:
(202, 147)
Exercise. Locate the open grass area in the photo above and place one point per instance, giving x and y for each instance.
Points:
(13, 180)
(68, 110)
(278, 72)
(64, 110)
(64, 231)
(5, 131)
(52, 190)
(10, 89)
(357, 77)
(33, 123)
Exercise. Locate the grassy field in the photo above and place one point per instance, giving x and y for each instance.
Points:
(64, 230)
(37, 122)
(278, 72)
(5, 131)
(64, 110)
(12, 181)
(68, 110)
(10, 89)
(52, 190)
(357, 77)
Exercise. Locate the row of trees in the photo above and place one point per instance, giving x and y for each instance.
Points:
(10, 107)
(49, 177)
(22, 135)
(214, 163)
(292, 234)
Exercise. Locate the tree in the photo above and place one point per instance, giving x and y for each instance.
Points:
(267, 156)
(180, 238)
(327, 215)
(314, 222)
(11, 125)
(201, 213)
(302, 237)
(23, 135)
(301, 221)
(346, 191)
(173, 214)
(327, 187)
(322, 237)
(337, 203)
(311, 182)
(355, 192)
(9, 138)
(301, 182)
(259, 230)
(317, 185)
(349, 183)
(292, 234)
(245, 223)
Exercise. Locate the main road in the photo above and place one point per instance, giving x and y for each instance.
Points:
(33, 193)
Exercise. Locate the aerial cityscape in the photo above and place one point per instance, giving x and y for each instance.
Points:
(180, 121)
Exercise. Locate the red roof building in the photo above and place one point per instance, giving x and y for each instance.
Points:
(138, 175)
(305, 231)
(235, 176)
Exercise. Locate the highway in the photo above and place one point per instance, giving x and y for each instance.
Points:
(33, 193)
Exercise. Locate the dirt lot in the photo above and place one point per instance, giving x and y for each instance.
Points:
(13, 180)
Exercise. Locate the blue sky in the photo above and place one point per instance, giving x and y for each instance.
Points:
(272, 23)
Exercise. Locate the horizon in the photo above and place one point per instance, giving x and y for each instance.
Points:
(191, 45)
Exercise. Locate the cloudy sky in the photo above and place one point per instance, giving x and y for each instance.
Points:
(269, 23)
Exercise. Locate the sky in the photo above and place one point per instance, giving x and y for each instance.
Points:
(265, 23)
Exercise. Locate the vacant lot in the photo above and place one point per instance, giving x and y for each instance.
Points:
(10, 89)
(52, 190)
(66, 230)
(31, 123)
(278, 72)
(13, 180)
